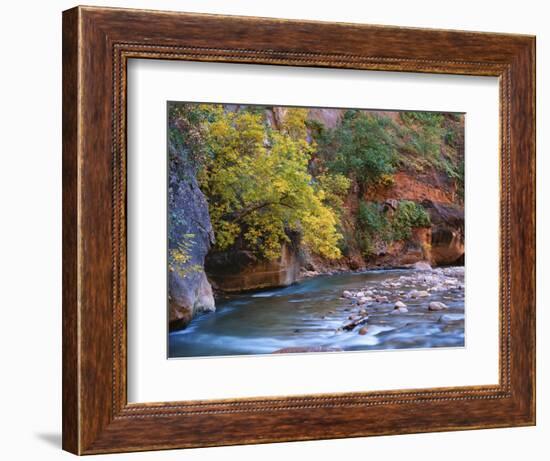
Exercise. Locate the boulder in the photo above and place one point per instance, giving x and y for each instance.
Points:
(447, 236)
(437, 306)
(422, 266)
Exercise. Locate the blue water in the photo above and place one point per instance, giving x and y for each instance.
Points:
(311, 314)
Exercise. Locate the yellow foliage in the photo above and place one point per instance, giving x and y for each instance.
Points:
(258, 186)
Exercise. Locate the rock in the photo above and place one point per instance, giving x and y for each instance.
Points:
(382, 299)
(447, 236)
(360, 294)
(347, 294)
(239, 269)
(400, 305)
(189, 291)
(364, 300)
(422, 266)
(413, 294)
(363, 331)
(423, 294)
(368, 293)
(437, 306)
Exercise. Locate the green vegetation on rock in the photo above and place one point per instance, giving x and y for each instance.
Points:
(377, 223)
(363, 147)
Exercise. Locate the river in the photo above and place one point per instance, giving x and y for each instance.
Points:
(310, 315)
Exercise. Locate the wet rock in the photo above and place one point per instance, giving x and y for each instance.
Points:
(363, 331)
(400, 305)
(422, 266)
(347, 294)
(423, 294)
(437, 306)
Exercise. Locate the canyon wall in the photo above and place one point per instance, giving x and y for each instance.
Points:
(189, 289)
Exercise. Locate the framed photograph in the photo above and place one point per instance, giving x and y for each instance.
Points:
(282, 230)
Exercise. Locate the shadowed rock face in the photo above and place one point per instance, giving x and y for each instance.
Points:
(189, 291)
(447, 240)
(240, 270)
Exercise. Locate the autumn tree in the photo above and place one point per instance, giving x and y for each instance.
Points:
(258, 186)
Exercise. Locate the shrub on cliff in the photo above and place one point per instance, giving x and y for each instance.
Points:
(407, 216)
(375, 225)
(362, 147)
(433, 140)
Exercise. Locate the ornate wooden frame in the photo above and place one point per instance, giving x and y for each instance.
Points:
(97, 43)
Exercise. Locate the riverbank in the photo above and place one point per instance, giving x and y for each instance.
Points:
(311, 315)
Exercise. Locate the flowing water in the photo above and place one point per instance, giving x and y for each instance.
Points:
(310, 315)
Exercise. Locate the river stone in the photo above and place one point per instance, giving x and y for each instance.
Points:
(363, 331)
(437, 306)
(423, 294)
(422, 266)
(360, 294)
(347, 294)
(400, 305)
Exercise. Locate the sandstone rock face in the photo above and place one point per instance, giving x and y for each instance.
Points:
(447, 233)
(240, 270)
(404, 253)
(189, 291)
(415, 187)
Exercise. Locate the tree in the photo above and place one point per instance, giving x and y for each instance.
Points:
(258, 186)
(362, 147)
